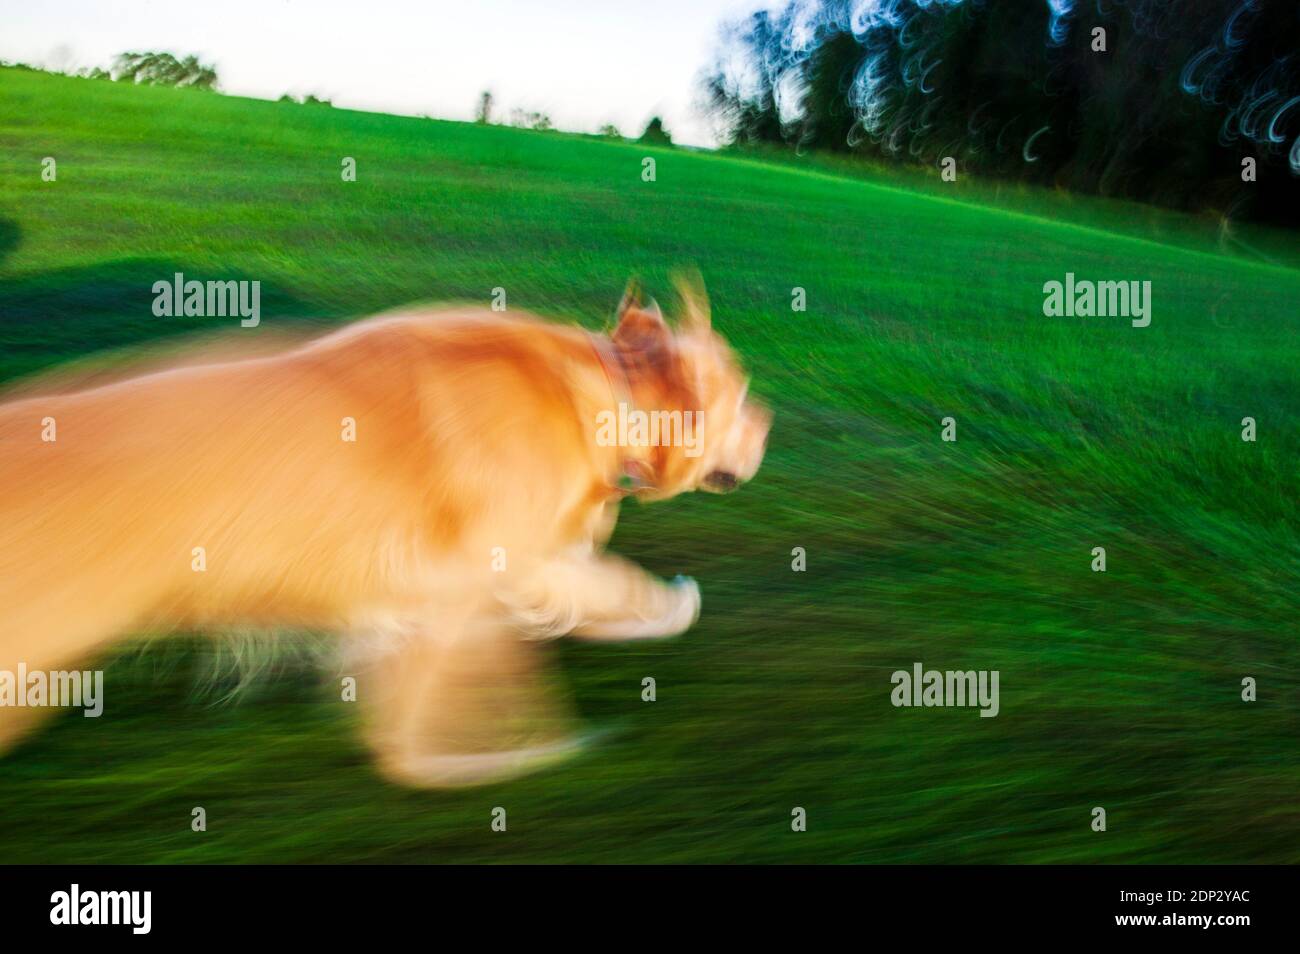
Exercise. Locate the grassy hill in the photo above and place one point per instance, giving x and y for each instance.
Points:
(1118, 689)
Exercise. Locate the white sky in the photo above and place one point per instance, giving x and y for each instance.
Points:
(584, 62)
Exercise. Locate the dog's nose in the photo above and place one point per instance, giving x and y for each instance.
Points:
(722, 480)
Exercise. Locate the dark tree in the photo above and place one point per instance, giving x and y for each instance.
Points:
(655, 134)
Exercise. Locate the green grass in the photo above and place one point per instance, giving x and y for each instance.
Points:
(1118, 689)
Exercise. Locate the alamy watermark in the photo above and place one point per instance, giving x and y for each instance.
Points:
(1087, 299)
(930, 687)
(631, 427)
(55, 688)
(213, 299)
(75, 906)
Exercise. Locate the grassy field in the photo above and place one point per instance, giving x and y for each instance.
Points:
(1118, 689)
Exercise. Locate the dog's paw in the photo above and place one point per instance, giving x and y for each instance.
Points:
(439, 770)
(688, 609)
(682, 610)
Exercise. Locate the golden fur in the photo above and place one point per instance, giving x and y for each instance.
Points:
(465, 520)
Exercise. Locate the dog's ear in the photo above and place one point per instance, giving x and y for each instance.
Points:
(641, 331)
(694, 300)
(631, 299)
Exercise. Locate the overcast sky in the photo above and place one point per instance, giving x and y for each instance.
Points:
(584, 62)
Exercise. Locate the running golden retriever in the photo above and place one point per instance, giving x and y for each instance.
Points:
(438, 485)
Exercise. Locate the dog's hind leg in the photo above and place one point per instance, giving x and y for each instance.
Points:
(464, 703)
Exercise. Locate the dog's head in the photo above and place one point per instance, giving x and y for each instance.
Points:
(705, 431)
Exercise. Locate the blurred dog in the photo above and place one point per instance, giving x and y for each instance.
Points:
(434, 484)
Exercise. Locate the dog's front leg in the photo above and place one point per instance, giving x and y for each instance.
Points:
(604, 597)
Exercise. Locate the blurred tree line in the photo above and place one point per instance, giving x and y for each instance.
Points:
(311, 99)
(1186, 103)
(165, 69)
(655, 132)
(146, 69)
(158, 69)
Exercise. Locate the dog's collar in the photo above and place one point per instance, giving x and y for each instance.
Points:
(634, 474)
